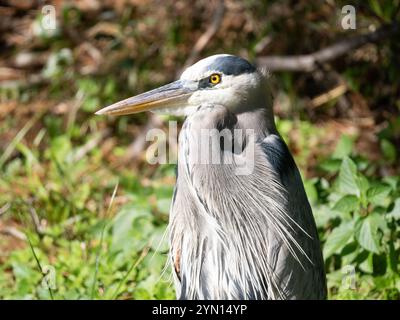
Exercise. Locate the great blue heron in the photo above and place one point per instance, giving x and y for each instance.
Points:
(232, 235)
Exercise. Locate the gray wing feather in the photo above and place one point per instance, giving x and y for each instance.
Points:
(277, 153)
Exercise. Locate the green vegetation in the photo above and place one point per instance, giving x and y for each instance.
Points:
(79, 202)
(359, 221)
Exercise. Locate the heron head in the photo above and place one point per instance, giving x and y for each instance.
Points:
(222, 79)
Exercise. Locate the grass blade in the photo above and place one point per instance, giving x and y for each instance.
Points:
(144, 253)
(101, 243)
(38, 263)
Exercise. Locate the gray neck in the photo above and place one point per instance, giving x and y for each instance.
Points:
(260, 120)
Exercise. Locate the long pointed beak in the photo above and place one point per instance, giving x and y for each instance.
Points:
(172, 95)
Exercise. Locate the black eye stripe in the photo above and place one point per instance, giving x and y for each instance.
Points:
(204, 83)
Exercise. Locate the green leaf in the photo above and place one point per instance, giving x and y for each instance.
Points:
(163, 205)
(350, 253)
(60, 148)
(344, 147)
(389, 150)
(322, 215)
(367, 232)
(348, 177)
(375, 6)
(367, 265)
(378, 194)
(392, 181)
(330, 165)
(159, 239)
(363, 184)
(338, 239)
(81, 195)
(22, 271)
(311, 191)
(347, 203)
(395, 213)
(123, 225)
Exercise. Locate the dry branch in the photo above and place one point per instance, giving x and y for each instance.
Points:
(13, 232)
(328, 96)
(4, 208)
(36, 221)
(309, 62)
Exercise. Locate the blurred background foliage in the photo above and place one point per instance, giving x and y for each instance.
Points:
(78, 200)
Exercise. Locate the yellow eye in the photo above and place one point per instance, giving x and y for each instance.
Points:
(215, 78)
